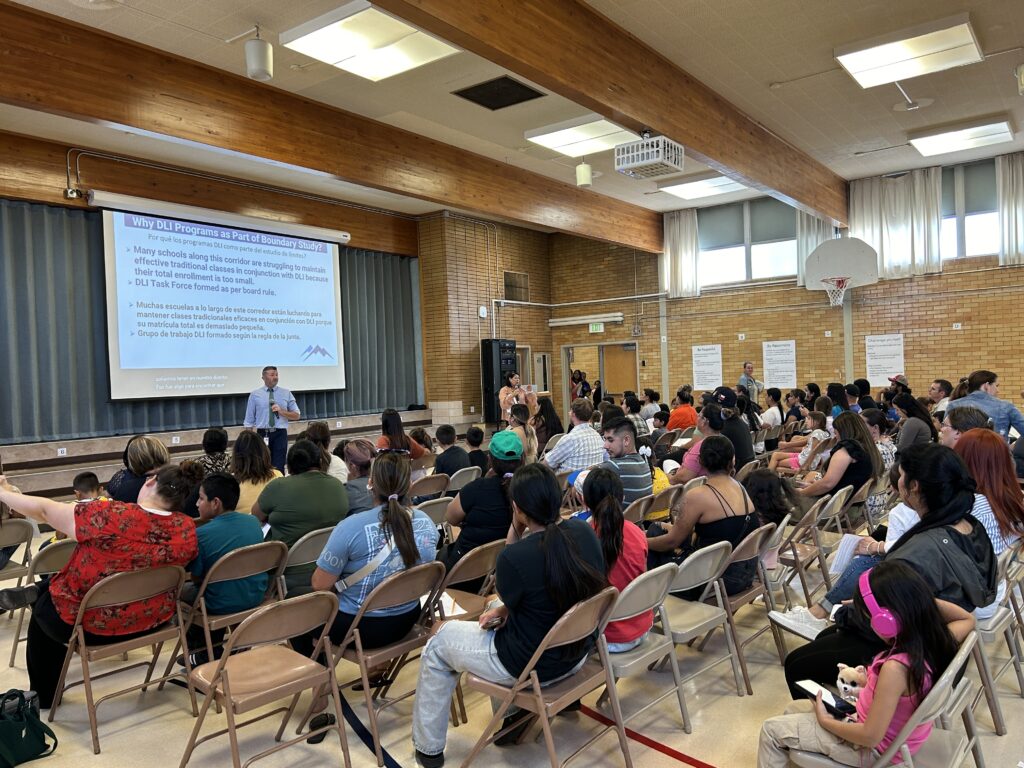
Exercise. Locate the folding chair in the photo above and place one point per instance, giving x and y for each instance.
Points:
(687, 433)
(746, 469)
(796, 555)
(693, 619)
(552, 442)
(267, 671)
(47, 562)
(462, 478)
(15, 532)
(828, 530)
(959, 704)
(636, 511)
(118, 590)
(667, 498)
(694, 483)
(305, 551)
(666, 439)
(431, 485)
(407, 586)
(436, 510)
(269, 557)
(579, 622)
(478, 563)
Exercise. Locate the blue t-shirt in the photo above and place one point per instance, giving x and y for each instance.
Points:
(356, 540)
(227, 532)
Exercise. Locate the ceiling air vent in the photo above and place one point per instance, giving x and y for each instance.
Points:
(498, 93)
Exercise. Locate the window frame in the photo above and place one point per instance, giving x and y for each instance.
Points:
(960, 214)
(748, 254)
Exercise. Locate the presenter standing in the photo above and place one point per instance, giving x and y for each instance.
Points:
(269, 410)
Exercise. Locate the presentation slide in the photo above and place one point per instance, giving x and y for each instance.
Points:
(199, 308)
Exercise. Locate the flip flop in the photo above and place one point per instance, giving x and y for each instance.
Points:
(322, 720)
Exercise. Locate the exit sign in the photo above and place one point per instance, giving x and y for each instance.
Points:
(597, 327)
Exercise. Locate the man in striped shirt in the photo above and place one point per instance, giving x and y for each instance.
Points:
(582, 447)
(630, 466)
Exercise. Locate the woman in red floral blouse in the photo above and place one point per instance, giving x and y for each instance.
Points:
(113, 537)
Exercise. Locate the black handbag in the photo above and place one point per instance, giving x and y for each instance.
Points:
(23, 736)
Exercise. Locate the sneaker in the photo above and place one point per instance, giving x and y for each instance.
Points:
(200, 657)
(18, 597)
(799, 621)
(429, 761)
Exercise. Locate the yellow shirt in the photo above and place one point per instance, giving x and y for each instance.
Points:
(660, 484)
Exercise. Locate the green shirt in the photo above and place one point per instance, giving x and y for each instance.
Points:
(223, 534)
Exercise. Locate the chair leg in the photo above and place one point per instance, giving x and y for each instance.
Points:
(1015, 656)
(972, 733)
(678, 680)
(613, 694)
(803, 582)
(90, 705)
(707, 637)
(229, 713)
(191, 745)
(371, 711)
(462, 702)
(730, 641)
(17, 635)
(170, 664)
(290, 711)
(493, 725)
(62, 682)
(339, 717)
(549, 739)
(989, 689)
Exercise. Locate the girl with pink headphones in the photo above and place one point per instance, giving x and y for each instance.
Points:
(922, 634)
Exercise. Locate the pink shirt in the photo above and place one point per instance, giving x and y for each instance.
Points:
(904, 709)
(691, 459)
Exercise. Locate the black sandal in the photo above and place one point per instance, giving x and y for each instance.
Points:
(323, 720)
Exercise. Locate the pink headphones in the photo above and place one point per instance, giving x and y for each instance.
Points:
(883, 621)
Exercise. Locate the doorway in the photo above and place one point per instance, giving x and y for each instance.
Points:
(614, 364)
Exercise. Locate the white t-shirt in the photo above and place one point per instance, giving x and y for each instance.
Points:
(771, 417)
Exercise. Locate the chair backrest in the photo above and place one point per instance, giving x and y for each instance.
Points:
(645, 592)
(819, 447)
(132, 587)
(52, 558)
(404, 587)
(15, 532)
(774, 433)
(553, 441)
(435, 509)
(746, 469)
(780, 531)
(635, 512)
(563, 479)
(249, 561)
(753, 544)
(277, 622)
(688, 432)
(834, 507)
(477, 563)
(862, 494)
(307, 549)
(429, 485)
(696, 482)
(805, 523)
(667, 497)
(426, 461)
(704, 565)
(933, 704)
(666, 439)
(462, 478)
(759, 436)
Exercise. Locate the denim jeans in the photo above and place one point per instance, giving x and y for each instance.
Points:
(629, 645)
(846, 585)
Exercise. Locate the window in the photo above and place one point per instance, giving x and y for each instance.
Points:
(970, 221)
(755, 240)
(517, 286)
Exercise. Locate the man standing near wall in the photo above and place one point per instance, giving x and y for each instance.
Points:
(269, 410)
(754, 387)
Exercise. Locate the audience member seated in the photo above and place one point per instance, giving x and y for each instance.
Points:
(251, 467)
(215, 445)
(773, 414)
(650, 404)
(684, 415)
(422, 437)
(660, 422)
(710, 421)
(539, 578)
(794, 402)
(482, 509)
(836, 392)
(853, 461)
(983, 393)
(879, 427)
(305, 501)
(919, 638)
(546, 422)
(623, 459)
(224, 531)
(939, 393)
(795, 453)
(625, 552)
(813, 393)
(112, 537)
(477, 456)
(141, 457)
(864, 399)
(735, 426)
(452, 457)
(948, 547)
(772, 497)
(632, 409)
(334, 466)
(915, 422)
(718, 510)
(853, 398)
(519, 424)
(960, 420)
(582, 445)
(364, 549)
(393, 437)
(359, 455)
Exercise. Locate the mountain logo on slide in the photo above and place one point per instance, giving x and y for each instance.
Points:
(309, 351)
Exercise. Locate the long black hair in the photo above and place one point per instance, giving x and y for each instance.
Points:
(568, 577)
(924, 637)
(547, 416)
(772, 497)
(836, 392)
(813, 391)
(944, 482)
(391, 428)
(909, 405)
(390, 476)
(603, 494)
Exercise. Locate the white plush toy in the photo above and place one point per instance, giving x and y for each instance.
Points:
(850, 681)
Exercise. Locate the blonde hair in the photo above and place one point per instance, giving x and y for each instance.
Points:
(145, 453)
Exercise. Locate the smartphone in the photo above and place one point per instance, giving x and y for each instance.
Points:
(836, 707)
(494, 623)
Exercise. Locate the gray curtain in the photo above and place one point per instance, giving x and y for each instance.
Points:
(53, 337)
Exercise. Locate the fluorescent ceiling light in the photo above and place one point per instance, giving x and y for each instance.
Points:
(908, 53)
(700, 185)
(580, 136)
(960, 137)
(366, 42)
(607, 317)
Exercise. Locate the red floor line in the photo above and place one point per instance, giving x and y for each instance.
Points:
(648, 742)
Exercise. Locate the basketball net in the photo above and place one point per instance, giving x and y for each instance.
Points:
(836, 289)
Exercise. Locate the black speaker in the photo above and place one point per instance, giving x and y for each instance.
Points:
(497, 358)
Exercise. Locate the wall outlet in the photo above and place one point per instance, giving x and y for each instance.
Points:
(176, 440)
(337, 425)
(828, 334)
(741, 336)
(958, 326)
(62, 451)
(472, 409)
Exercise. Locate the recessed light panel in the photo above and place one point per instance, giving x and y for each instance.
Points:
(958, 138)
(580, 136)
(700, 185)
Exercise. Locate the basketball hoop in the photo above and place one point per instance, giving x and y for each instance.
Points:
(836, 289)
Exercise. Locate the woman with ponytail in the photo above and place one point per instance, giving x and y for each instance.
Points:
(625, 552)
(555, 565)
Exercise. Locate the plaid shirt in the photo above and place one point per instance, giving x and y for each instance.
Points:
(582, 447)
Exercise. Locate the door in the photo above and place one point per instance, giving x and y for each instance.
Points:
(619, 367)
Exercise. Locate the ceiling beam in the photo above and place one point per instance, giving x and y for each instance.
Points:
(53, 65)
(569, 48)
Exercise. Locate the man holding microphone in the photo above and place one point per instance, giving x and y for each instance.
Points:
(269, 410)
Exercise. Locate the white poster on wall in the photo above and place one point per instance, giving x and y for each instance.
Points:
(779, 364)
(884, 358)
(707, 366)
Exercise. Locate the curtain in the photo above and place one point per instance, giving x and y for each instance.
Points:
(811, 232)
(900, 217)
(678, 265)
(1010, 202)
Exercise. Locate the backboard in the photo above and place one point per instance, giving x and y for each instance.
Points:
(841, 257)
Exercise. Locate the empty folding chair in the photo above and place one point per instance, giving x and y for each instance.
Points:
(47, 562)
(462, 478)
